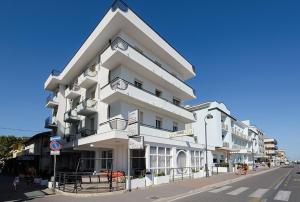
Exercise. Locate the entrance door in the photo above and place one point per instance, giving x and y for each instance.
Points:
(138, 162)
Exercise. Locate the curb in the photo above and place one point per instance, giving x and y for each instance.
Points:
(86, 195)
(211, 186)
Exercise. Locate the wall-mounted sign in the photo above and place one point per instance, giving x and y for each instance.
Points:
(133, 123)
(136, 142)
(188, 132)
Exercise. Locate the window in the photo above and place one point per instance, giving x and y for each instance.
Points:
(157, 93)
(138, 162)
(175, 126)
(93, 94)
(138, 83)
(158, 123)
(160, 160)
(215, 158)
(106, 159)
(176, 101)
(196, 160)
(141, 117)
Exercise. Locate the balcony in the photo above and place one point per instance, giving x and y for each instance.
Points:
(71, 116)
(88, 78)
(51, 101)
(52, 81)
(224, 127)
(73, 91)
(120, 89)
(241, 135)
(121, 52)
(87, 107)
(84, 132)
(50, 122)
(226, 144)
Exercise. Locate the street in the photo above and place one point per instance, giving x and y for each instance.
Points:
(279, 185)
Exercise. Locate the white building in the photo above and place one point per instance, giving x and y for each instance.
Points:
(124, 65)
(231, 138)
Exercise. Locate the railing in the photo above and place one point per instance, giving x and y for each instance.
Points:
(226, 144)
(121, 84)
(106, 181)
(50, 97)
(55, 72)
(84, 132)
(71, 114)
(120, 43)
(116, 124)
(88, 103)
(74, 87)
(50, 121)
(90, 73)
(224, 127)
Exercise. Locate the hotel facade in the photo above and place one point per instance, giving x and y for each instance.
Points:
(123, 66)
(233, 141)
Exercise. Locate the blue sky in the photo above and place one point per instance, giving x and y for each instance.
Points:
(247, 55)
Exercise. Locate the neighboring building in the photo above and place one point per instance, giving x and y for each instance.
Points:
(271, 150)
(231, 138)
(282, 156)
(124, 65)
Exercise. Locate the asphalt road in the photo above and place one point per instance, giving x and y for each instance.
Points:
(282, 184)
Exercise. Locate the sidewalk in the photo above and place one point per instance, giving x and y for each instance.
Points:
(170, 190)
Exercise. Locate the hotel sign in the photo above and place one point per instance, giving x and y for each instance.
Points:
(187, 132)
(136, 142)
(133, 123)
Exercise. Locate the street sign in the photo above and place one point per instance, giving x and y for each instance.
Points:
(55, 138)
(55, 146)
(55, 152)
(136, 142)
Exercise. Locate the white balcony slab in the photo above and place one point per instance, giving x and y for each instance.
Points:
(87, 107)
(139, 97)
(133, 59)
(87, 80)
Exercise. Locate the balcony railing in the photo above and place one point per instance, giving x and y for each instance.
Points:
(224, 127)
(120, 43)
(121, 84)
(226, 144)
(84, 132)
(71, 116)
(87, 107)
(241, 135)
(51, 101)
(55, 72)
(73, 91)
(115, 124)
(50, 122)
(88, 78)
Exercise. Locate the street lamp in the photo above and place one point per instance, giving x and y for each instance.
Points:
(253, 140)
(208, 116)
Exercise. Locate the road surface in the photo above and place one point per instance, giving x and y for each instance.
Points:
(282, 184)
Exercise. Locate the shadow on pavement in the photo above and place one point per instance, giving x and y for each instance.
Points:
(25, 191)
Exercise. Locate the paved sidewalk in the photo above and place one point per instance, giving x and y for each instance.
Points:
(158, 192)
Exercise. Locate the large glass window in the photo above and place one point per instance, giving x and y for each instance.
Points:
(196, 160)
(160, 160)
(106, 159)
(138, 162)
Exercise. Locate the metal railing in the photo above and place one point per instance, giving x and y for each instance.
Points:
(105, 181)
(120, 43)
(84, 132)
(90, 73)
(88, 103)
(71, 115)
(50, 122)
(116, 124)
(50, 97)
(74, 87)
(122, 84)
(55, 72)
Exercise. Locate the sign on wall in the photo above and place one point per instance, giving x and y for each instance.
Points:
(133, 123)
(136, 142)
(188, 132)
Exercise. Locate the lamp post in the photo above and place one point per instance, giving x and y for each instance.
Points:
(208, 116)
(253, 140)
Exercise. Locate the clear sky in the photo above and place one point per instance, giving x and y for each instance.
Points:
(247, 55)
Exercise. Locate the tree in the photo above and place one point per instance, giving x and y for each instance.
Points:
(6, 142)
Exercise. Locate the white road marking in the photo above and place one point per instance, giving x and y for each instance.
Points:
(282, 196)
(281, 181)
(238, 191)
(259, 193)
(220, 189)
